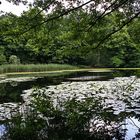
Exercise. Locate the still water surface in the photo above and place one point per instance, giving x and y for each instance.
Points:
(11, 91)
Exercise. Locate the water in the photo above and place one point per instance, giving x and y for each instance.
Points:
(130, 124)
(11, 91)
(132, 127)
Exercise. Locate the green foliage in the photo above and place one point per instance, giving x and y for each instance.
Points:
(2, 56)
(2, 59)
(43, 119)
(35, 68)
(67, 40)
(13, 59)
(116, 62)
(54, 117)
(72, 114)
(23, 127)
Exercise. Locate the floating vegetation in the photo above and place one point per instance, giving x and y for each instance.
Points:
(92, 109)
(19, 79)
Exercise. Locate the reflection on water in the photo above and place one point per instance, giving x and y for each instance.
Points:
(132, 127)
(130, 124)
(2, 130)
(11, 91)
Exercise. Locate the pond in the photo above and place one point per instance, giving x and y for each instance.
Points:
(118, 92)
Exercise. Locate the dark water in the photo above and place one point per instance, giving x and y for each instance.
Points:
(11, 91)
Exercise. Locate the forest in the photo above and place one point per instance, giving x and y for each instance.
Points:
(83, 36)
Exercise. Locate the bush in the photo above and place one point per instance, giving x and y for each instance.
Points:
(13, 59)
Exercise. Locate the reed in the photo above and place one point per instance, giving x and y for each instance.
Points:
(34, 67)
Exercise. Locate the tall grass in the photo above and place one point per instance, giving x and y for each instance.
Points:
(34, 68)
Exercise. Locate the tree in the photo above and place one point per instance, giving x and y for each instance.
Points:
(129, 8)
(69, 38)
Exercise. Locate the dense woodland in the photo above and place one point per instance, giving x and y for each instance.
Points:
(78, 37)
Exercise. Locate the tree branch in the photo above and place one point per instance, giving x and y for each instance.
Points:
(105, 14)
(99, 17)
(47, 6)
(134, 123)
(117, 30)
(61, 15)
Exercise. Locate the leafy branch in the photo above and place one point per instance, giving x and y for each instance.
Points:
(56, 17)
(117, 30)
(105, 13)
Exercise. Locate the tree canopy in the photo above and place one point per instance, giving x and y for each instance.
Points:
(55, 31)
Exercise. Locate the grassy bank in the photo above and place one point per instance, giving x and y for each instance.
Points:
(125, 68)
(35, 68)
(38, 69)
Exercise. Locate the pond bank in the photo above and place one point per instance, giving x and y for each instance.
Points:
(13, 70)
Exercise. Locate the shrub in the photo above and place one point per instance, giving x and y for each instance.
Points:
(13, 59)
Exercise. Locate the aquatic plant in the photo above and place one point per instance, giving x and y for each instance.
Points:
(76, 110)
(44, 118)
(34, 67)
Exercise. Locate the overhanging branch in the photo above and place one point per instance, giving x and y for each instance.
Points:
(117, 30)
(45, 7)
(61, 15)
(105, 14)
